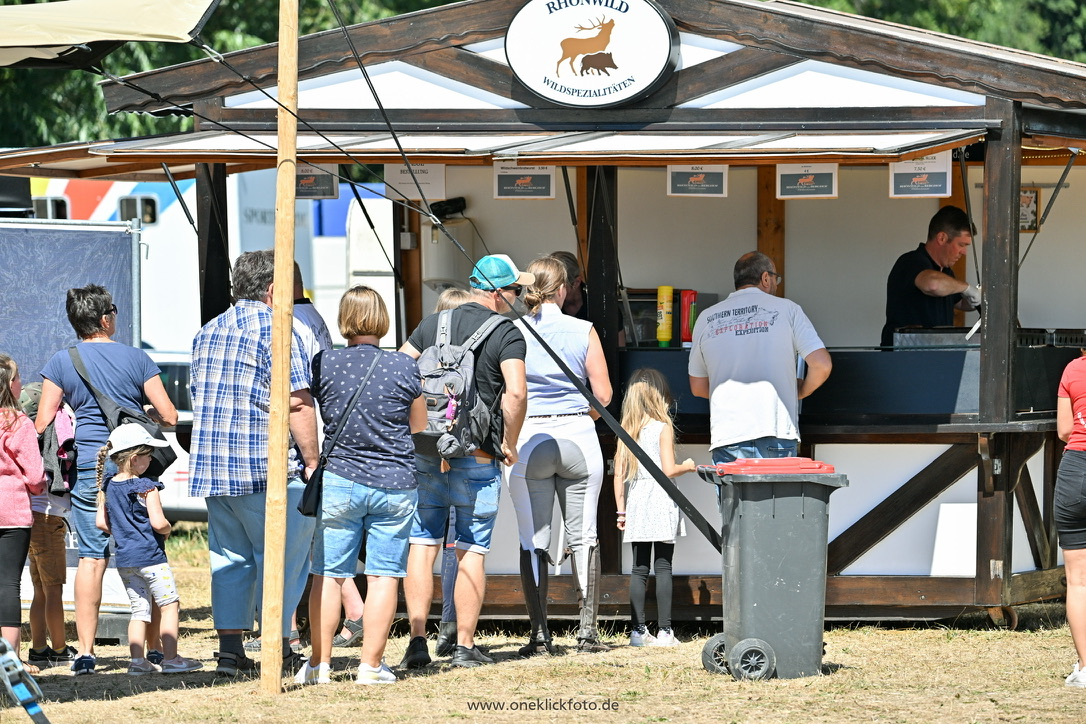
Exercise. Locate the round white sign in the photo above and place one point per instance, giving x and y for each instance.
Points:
(592, 53)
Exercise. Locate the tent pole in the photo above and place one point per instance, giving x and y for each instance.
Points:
(271, 681)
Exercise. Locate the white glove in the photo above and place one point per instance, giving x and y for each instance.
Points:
(972, 295)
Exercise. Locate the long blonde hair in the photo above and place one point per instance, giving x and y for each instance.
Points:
(550, 277)
(648, 398)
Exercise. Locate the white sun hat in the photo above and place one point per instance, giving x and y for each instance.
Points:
(130, 435)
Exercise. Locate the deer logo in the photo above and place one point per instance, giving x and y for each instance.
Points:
(523, 181)
(308, 181)
(573, 48)
(806, 180)
(920, 179)
(697, 179)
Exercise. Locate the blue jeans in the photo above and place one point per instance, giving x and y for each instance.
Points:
(235, 535)
(762, 447)
(348, 509)
(472, 486)
(93, 543)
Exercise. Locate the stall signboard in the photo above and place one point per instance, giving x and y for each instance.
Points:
(697, 180)
(925, 177)
(807, 181)
(592, 53)
(316, 182)
(430, 177)
(523, 182)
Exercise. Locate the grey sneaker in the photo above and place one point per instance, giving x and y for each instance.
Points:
(142, 667)
(232, 664)
(463, 656)
(417, 654)
(180, 665)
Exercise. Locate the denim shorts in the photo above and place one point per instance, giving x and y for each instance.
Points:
(93, 543)
(1070, 500)
(762, 447)
(347, 510)
(472, 486)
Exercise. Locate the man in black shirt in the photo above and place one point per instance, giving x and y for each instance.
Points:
(471, 484)
(921, 290)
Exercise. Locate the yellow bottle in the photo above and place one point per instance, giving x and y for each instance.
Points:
(665, 299)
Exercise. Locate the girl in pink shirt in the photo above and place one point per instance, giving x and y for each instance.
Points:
(21, 474)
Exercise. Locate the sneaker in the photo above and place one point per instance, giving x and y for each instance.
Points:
(48, 656)
(381, 675)
(252, 645)
(666, 637)
(638, 638)
(417, 654)
(1077, 677)
(446, 638)
(156, 657)
(463, 656)
(142, 667)
(179, 665)
(319, 674)
(233, 664)
(83, 665)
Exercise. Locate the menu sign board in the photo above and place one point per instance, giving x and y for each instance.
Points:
(697, 180)
(807, 181)
(429, 176)
(316, 182)
(523, 182)
(925, 177)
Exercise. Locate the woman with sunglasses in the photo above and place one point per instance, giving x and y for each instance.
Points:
(128, 376)
(558, 455)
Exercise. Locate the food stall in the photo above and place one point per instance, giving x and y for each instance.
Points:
(712, 128)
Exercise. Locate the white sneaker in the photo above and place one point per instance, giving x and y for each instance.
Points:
(381, 675)
(665, 637)
(319, 674)
(642, 639)
(1077, 677)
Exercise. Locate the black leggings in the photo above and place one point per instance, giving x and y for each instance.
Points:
(639, 580)
(14, 543)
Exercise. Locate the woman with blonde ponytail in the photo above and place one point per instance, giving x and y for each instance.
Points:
(558, 455)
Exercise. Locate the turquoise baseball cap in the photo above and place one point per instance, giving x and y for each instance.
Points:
(496, 271)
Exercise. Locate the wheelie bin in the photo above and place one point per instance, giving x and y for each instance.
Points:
(774, 514)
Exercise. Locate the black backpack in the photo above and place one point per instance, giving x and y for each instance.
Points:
(457, 420)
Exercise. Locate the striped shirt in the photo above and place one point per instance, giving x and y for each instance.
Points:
(230, 385)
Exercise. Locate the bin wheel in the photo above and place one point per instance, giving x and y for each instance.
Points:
(714, 657)
(752, 659)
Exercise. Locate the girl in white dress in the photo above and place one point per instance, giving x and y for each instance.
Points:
(647, 516)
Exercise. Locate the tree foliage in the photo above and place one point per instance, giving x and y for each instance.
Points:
(47, 107)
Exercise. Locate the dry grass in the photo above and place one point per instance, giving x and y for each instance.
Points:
(964, 672)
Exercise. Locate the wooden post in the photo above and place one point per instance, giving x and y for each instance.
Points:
(771, 220)
(275, 515)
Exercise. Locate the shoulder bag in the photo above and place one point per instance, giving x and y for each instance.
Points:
(311, 497)
(115, 415)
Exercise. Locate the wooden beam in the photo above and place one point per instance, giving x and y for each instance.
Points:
(898, 591)
(885, 48)
(726, 71)
(692, 120)
(1036, 536)
(1048, 122)
(1002, 184)
(318, 54)
(466, 67)
(899, 506)
(770, 217)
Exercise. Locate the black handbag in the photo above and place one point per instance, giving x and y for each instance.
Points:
(115, 416)
(310, 503)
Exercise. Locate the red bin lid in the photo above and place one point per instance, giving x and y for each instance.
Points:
(774, 466)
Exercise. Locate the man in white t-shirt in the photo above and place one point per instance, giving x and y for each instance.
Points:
(745, 359)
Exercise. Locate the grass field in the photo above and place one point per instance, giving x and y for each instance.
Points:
(961, 671)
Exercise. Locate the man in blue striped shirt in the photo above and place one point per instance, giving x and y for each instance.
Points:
(231, 381)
